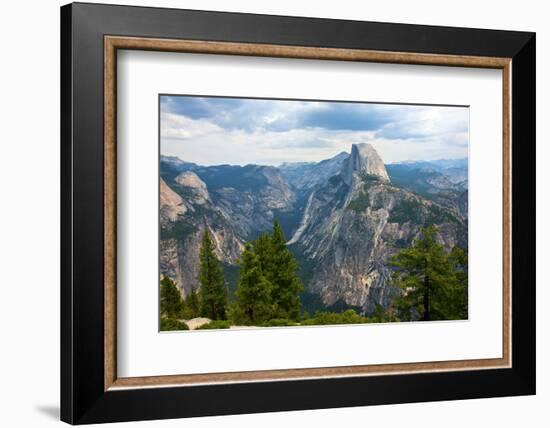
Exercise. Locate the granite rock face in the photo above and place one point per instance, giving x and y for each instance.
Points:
(236, 205)
(304, 176)
(355, 222)
(344, 217)
(179, 255)
(171, 204)
(364, 160)
(197, 191)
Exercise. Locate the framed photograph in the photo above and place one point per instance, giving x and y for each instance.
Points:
(266, 213)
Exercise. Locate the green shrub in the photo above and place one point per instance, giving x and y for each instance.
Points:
(191, 305)
(180, 229)
(407, 209)
(278, 322)
(171, 324)
(171, 305)
(214, 325)
(360, 203)
(236, 315)
(330, 318)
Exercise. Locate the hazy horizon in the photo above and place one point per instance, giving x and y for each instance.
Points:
(239, 131)
(299, 162)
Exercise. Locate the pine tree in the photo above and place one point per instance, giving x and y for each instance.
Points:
(171, 305)
(459, 260)
(253, 289)
(263, 248)
(192, 305)
(429, 279)
(286, 285)
(213, 294)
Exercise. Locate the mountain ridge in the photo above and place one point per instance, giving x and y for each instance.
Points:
(344, 216)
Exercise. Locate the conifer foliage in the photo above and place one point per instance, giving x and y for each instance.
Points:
(268, 286)
(171, 305)
(284, 279)
(433, 283)
(253, 289)
(213, 293)
(191, 304)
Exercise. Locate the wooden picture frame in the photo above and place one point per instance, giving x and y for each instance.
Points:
(91, 390)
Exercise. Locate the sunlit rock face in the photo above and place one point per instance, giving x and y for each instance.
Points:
(344, 218)
(171, 204)
(355, 221)
(364, 161)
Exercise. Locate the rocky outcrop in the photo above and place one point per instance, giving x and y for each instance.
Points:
(304, 176)
(355, 222)
(276, 193)
(239, 203)
(346, 215)
(183, 222)
(364, 161)
(434, 181)
(171, 204)
(179, 258)
(197, 192)
(250, 197)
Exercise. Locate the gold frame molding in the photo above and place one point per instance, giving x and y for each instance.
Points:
(113, 43)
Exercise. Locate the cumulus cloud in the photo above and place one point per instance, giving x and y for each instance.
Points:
(213, 130)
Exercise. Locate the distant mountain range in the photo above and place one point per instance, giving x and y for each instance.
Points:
(343, 217)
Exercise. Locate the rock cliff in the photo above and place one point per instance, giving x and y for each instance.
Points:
(344, 217)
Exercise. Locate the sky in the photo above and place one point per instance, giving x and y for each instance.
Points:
(240, 131)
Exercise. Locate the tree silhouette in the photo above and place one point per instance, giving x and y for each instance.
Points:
(171, 304)
(434, 284)
(192, 304)
(283, 276)
(253, 289)
(213, 294)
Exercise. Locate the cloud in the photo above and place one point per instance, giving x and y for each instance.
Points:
(424, 122)
(348, 116)
(198, 107)
(181, 127)
(278, 115)
(211, 130)
(235, 113)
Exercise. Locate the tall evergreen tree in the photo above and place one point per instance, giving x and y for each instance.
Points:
(213, 294)
(263, 248)
(253, 289)
(192, 304)
(459, 293)
(429, 280)
(286, 286)
(171, 304)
